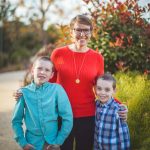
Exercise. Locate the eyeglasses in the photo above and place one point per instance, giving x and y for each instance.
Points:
(79, 31)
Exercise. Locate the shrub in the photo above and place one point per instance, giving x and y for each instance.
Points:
(20, 55)
(121, 34)
(3, 59)
(134, 89)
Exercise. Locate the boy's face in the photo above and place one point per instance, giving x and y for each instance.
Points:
(104, 90)
(42, 71)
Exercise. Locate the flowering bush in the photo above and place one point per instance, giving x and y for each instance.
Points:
(121, 34)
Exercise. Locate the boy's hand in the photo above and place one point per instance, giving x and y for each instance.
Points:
(123, 112)
(53, 147)
(17, 94)
(28, 147)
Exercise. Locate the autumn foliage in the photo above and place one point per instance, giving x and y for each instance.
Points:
(121, 34)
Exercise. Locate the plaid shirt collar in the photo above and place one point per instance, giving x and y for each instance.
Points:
(107, 104)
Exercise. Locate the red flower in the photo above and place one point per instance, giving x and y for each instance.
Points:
(146, 72)
(130, 40)
(122, 35)
(119, 42)
(86, 1)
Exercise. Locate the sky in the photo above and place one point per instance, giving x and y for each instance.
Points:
(69, 9)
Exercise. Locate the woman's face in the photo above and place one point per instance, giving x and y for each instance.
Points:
(81, 34)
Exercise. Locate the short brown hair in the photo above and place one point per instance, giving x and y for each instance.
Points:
(82, 19)
(108, 77)
(45, 58)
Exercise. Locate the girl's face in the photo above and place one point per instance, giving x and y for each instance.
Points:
(104, 90)
(81, 34)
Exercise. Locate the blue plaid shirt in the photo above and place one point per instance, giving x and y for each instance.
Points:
(111, 132)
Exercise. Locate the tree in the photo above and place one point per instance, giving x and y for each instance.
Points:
(19, 41)
(6, 12)
(36, 13)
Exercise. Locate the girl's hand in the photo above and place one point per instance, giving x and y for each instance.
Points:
(123, 112)
(17, 94)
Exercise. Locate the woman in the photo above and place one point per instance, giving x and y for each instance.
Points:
(77, 67)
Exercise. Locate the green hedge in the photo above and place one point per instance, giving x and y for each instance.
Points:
(134, 89)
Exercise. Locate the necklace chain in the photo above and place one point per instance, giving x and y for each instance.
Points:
(77, 80)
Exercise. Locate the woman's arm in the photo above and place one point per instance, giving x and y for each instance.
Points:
(17, 94)
(124, 112)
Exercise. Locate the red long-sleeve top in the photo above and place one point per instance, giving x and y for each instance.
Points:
(86, 66)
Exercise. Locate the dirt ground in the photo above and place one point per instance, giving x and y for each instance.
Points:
(9, 82)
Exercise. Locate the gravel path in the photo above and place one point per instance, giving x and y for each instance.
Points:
(9, 82)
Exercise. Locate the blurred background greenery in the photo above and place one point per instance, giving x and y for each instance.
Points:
(121, 34)
(133, 89)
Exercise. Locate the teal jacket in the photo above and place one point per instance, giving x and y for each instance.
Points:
(40, 107)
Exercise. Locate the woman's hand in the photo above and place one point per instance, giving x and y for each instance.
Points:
(28, 147)
(17, 94)
(123, 112)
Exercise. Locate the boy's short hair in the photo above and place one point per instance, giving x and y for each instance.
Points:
(45, 58)
(108, 77)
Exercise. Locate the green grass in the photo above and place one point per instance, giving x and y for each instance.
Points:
(134, 89)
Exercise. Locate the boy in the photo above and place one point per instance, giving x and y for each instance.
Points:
(111, 132)
(40, 104)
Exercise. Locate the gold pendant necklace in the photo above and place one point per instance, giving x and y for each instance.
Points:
(77, 80)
